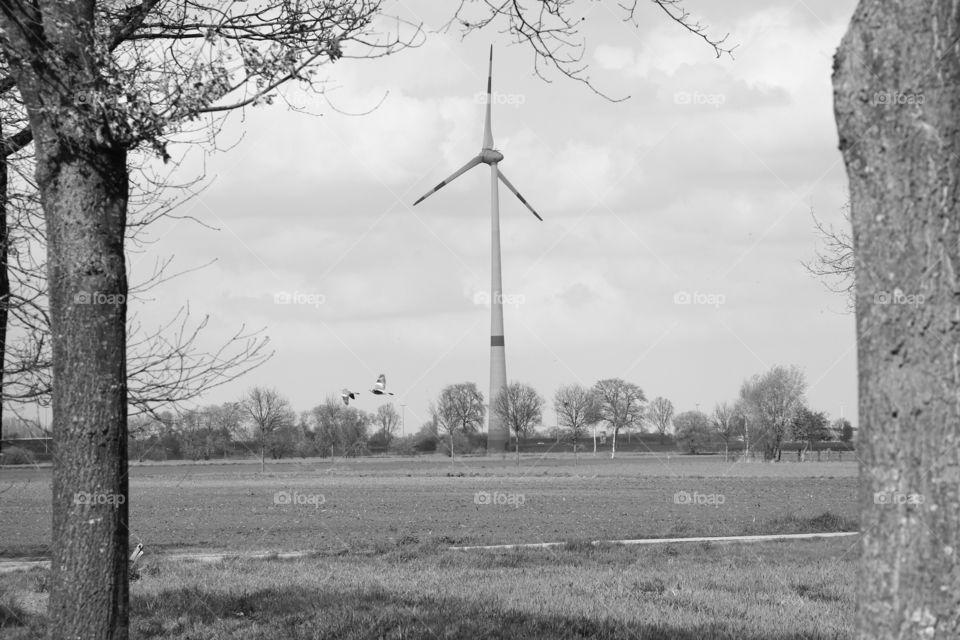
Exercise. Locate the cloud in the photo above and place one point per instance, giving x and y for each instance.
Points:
(641, 199)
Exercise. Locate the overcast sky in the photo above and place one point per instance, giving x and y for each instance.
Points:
(702, 182)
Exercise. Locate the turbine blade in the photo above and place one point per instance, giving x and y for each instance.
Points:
(470, 165)
(487, 134)
(504, 180)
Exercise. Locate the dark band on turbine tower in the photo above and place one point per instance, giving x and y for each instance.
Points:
(496, 341)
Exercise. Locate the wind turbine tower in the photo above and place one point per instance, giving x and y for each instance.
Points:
(497, 435)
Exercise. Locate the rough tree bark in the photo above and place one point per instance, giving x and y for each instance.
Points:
(897, 106)
(4, 275)
(85, 205)
(82, 177)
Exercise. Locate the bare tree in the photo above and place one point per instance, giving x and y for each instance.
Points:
(459, 409)
(551, 30)
(771, 401)
(694, 431)
(98, 80)
(833, 263)
(576, 408)
(166, 365)
(728, 422)
(521, 408)
(388, 420)
(660, 413)
(620, 404)
(268, 413)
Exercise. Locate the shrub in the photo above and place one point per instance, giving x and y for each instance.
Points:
(405, 446)
(17, 455)
(11, 613)
(425, 443)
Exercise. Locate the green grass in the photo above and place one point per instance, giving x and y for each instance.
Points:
(771, 591)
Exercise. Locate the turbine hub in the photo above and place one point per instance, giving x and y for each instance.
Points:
(490, 156)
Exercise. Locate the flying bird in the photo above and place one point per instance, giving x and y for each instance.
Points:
(380, 388)
(348, 395)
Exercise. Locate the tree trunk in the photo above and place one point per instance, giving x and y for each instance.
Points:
(613, 449)
(4, 276)
(82, 178)
(897, 105)
(84, 195)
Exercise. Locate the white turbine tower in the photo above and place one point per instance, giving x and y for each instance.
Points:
(497, 436)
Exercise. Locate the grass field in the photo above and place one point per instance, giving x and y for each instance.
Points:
(381, 528)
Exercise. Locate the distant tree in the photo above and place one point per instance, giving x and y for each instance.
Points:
(168, 439)
(226, 421)
(337, 427)
(809, 427)
(459, 409)
(143, 435)
(620, 405)
(844, 429)
(520, 408)
(196, 436)
(660, 414)
(429, 427)
(741, 421)
(771, 402)
(576, 408)
(727, 423)
(268, 412)
(694, 431)
(387, 421)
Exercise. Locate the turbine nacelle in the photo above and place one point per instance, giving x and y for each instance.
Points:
(490, 156)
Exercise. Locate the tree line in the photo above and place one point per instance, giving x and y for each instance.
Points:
(770, 411)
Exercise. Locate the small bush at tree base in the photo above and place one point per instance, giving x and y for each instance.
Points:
(17, 455)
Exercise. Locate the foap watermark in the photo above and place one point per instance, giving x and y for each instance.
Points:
(299, 499)
(896, 98)
(515, 500)
(700, 499)
(299, 297)
(698, 297)
(898, 297)
(98, 297)
(512, 99)
(898, 497)
(96, 497)
(484, 298)
(714, 100)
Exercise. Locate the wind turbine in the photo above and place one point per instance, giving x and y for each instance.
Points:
(497, 436)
